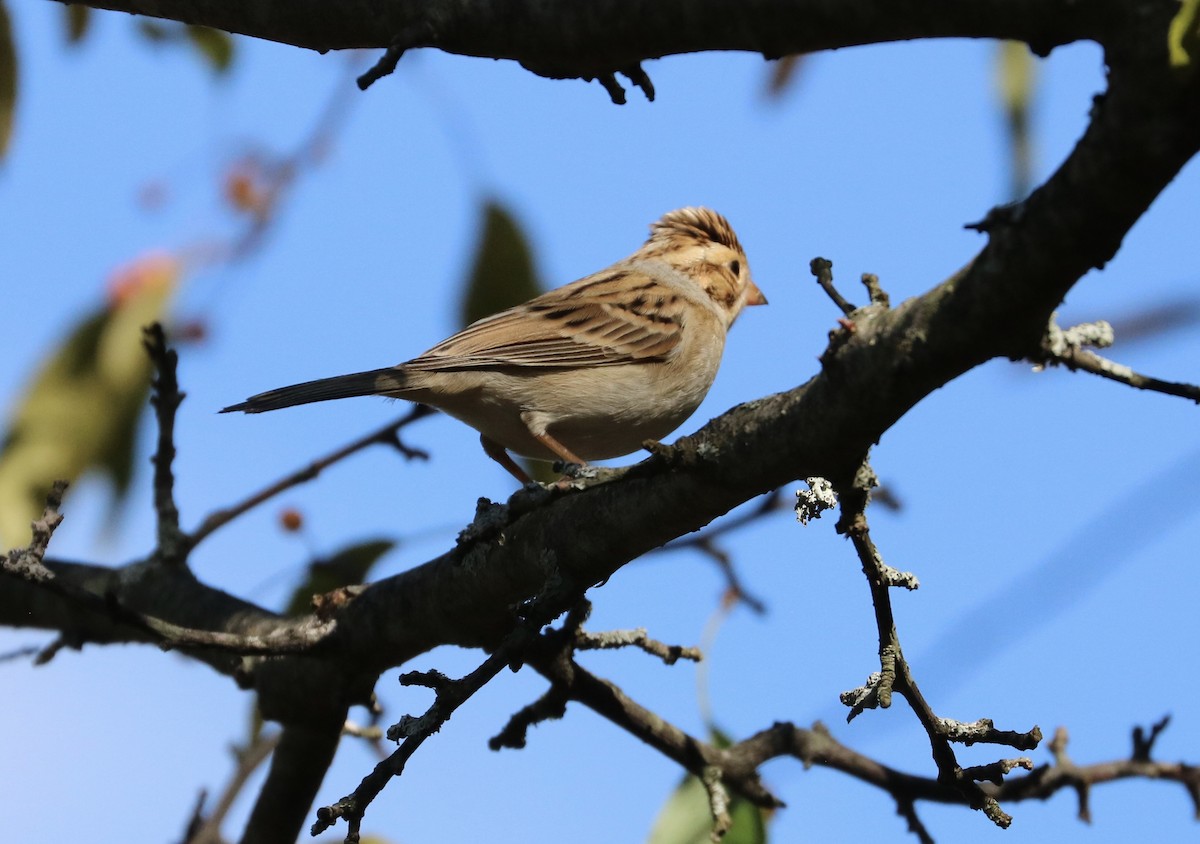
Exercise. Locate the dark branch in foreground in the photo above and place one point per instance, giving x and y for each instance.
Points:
(607, 37)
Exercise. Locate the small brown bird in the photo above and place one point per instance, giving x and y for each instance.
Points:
(585, 372)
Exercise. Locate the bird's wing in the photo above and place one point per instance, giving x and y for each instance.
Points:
(614, 317)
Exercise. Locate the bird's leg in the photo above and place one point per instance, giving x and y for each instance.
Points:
(536, 424)
(564, 453)
(496, 451)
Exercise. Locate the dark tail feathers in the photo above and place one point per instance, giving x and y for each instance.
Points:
(374, 382)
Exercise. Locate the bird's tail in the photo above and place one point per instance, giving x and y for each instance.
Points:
(373, 382)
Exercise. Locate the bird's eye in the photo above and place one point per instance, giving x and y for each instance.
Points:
(736, 267)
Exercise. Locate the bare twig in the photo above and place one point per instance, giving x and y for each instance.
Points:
(26, 563)
(387, 435)
(551, 706)
(20, 653)
(638, 77)
(704, 542)
(875, 291)
(1067, 347)
(718, 802)
(1143, 741)
(282, 636)
(610, 84)
(895, 673)
(670, 654)
(165, 398)
(984, 732)
(290, 637)
(249, 758)
(907, 808)
(412, 732)
(412, 36)
(822, 269)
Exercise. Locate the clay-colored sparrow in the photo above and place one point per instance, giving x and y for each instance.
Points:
(588, 371)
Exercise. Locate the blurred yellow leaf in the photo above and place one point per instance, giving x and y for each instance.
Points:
(81, 411)
(1015, 82)
(8, 79)
(1183, 35)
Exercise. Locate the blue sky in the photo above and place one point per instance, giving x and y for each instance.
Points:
(1054, 511)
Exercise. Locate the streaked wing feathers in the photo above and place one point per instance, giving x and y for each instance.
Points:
(612, 318)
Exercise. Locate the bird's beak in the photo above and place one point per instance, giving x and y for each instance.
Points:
(754, 296)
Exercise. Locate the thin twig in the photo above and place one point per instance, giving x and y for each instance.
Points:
(290, 637)
(822, 269)
(639, 638)
(412, 733)
(387, 435)
(610, 84)
(1069, 347)
(638, 77)
(165, 398)
(895, 673)
(27, 563)
(208, 831)
(415, 35)
(1143, 740)
(705, 544)
(1088, 361)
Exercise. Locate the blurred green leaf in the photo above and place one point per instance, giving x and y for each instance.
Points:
(155, 30)
(687, 819)
(348, 566)
(78, 18)
(215, 45)
(8, 79)
(1183, 35)
(81, 411)
(502, 273)
(1016, 74)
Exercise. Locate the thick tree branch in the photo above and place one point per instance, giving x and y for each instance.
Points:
(298, 766)
(601, 38)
